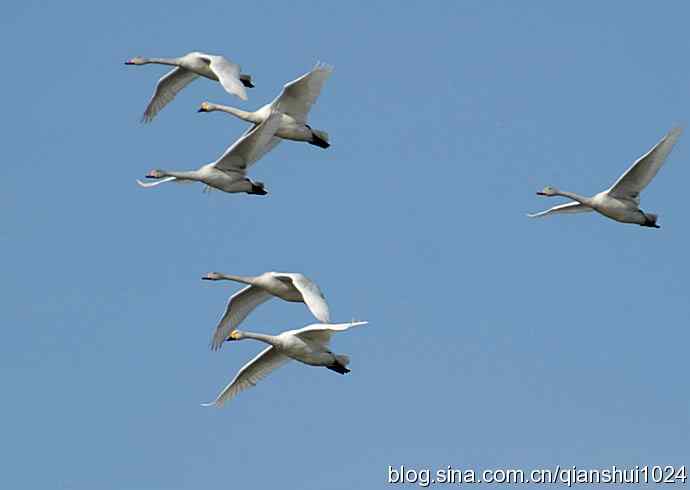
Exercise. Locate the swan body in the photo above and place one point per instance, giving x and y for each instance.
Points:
(295, 101)
(308, 345)
(621, 202)
(292, 287)
(228, 173)
(187, 68)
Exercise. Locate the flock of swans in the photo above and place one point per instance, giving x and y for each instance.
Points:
(286, 118)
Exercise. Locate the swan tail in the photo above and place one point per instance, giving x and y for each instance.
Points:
(339, 364)
(342, 359)
(651, 220)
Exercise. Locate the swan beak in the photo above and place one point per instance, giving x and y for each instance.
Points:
(540, 193)
(206, 278)
(201, 109)
(129, 62)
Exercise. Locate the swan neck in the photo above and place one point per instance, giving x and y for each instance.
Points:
(244, 115)
(181, 175)
(576, 197)
(162, 61)
(242, 279)
(261, 337)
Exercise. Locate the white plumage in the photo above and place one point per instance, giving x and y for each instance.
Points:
(622, 200)
(309, 345)
(293, 287)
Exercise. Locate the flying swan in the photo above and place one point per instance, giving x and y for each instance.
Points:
(229, 172)
(308, 345)
(187, 68)
(291, 287)
(295, 101)
(622, 200)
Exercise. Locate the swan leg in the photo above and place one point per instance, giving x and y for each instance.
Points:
(316, 141)
(650, 220)
(258, 188)
(338, 368)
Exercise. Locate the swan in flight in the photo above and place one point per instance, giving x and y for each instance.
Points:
(291, 287)
(229, 172)
(295, 101)
(187, 68)
(308, 345)
(622, 200)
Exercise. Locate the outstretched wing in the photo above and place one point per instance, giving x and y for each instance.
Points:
(636, 178)
(567, 208)
(251, 146)
(299, 95)
(267, 361)
(240, 304)
(321, 332)
(311, 294)
(155, 183)
(228, 74)
(166, 90)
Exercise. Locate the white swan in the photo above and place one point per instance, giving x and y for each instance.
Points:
(187, 68)
(295, 101)
(622, 200)
(287, 286)
(308, 345)
(229, 172)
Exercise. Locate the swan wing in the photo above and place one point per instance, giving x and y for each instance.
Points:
(166, 90)
(567, 208)
(228, 74)
(299, 95)
(157, 182)
(267, 361)
(311, 294)
(251, 146)
(641, 173)
(321, 332)
(240, 304)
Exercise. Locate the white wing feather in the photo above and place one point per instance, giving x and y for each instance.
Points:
(154, 184)
(240, 304)
(299, 95)
(166, 90)
(641, 173)
(312, 295)
(567, 208)
(321, 332)
(228, 74)
(267, 361)
(251, 146)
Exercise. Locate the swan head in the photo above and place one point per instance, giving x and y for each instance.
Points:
(206, 107)
(548, 191)
(155, 174)
(235, 335)
(137, 60)
(212, 276)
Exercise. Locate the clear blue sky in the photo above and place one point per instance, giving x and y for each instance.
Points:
(494, 340)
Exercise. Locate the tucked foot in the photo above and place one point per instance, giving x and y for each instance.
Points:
(338, 368)
(246, 81)
(258, 189)
(316, 141)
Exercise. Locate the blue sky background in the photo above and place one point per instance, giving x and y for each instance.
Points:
(495, 340)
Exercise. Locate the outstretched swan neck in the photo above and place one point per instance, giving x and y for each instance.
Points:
(244, 115)
(268, 339)
(586, 201)
(181, 175)
(232, 277)
(161, 61)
